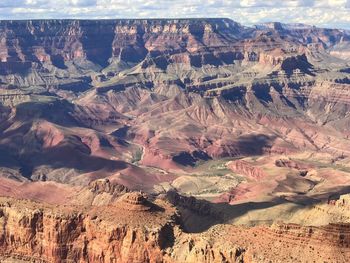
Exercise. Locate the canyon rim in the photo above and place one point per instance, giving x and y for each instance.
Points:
(173, 140)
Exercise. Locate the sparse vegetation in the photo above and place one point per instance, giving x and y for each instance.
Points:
(137, 156)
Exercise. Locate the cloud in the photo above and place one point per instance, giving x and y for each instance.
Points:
(326, 13)
(83, 3)
(11, 3)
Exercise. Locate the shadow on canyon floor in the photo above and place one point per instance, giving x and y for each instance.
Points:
(199, 215)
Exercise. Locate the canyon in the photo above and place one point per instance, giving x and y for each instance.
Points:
(173, 140)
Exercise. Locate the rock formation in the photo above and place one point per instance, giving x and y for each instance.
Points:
(47, 234)
(107, 127)
(245, 169)
(106, 186)
(36, 232)
(292, 164)
(217, 88)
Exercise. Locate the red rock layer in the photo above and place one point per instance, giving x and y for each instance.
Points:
(36, 232)
(246, 169)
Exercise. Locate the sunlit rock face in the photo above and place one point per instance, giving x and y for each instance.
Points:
(173, 140)
(87, 99)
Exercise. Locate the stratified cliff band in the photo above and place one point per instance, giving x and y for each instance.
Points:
(173, 140)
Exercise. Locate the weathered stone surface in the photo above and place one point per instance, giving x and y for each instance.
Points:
(35, 232)
(98, 117)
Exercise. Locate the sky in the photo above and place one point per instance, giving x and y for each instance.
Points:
(324, 13)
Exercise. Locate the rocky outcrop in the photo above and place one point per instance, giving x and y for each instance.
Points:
(130, 104)
(200, 249)
(106, 186)
(30, 44)
(39, 233)
(135, 201)
(200, 207)
(66, 85)
(245, 169)
(337, 235)
(278, 243)
(127, 40)
(292, 164)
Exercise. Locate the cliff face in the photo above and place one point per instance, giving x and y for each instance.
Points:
(29, 44)
(47, 234)
(120, 232)
(83, 100)
(246, 169)
(91, 111)
(60, 41)
(34, 232)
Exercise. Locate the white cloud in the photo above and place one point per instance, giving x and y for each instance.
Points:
(330, 13)
(83, 3)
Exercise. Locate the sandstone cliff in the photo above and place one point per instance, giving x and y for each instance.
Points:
(127, 232)
(31, 231)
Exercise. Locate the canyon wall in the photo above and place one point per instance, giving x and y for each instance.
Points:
(37, 232)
